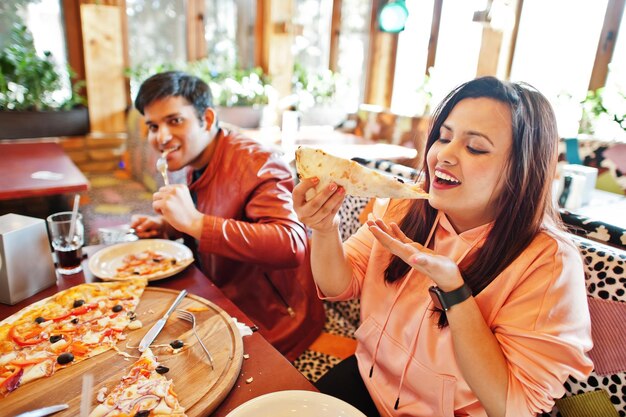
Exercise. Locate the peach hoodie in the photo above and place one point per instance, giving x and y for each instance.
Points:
(537, 309)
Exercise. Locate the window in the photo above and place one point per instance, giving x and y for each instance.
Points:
(43, 19)
(555, 52)
(229, 33)
(353, 47)
(614, 95)
(156, 35)
(312, 47)
(458, 46)
(409, 97)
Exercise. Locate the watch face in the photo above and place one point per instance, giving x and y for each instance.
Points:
(435, 294)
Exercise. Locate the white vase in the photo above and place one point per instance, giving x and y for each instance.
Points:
(323, 116)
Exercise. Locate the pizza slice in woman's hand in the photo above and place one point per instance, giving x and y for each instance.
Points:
(356, 179)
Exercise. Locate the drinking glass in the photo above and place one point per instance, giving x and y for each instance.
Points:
(68, 248)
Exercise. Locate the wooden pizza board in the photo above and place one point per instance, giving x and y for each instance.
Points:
(200, 389)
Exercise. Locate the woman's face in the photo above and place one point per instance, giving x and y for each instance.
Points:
(467, 162)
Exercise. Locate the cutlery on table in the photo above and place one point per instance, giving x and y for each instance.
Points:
(161, 165)
(158, 326)
(190, 317)
(45, 411)
(86, 394)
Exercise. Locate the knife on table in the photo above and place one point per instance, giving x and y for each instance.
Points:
(44, 411)
(158, 326)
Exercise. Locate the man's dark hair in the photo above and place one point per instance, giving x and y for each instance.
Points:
(173, 84)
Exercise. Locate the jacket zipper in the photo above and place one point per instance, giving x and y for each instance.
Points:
(290, 310)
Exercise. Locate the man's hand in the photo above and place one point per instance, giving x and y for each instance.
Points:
(148, 226)
(174, 203)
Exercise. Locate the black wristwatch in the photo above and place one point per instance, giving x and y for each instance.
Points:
(445, 300)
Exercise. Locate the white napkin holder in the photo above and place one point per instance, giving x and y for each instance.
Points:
(590, 175)
(26, 265)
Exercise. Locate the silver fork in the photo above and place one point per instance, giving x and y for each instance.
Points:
(190, 317)
(161, 165)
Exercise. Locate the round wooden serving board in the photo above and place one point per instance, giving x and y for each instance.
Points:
(200, 389)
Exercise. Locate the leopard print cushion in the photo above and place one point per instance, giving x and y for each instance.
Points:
(594, 230)
(389, 167)
(313, 365)
(606, 279)
(604, 269)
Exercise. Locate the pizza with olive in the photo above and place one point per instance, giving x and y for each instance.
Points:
(143, 392)
(145, 263)
(67, 328)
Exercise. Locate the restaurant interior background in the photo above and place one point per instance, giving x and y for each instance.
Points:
(373, 69)
(344, 68)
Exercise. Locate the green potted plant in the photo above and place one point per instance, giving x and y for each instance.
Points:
(600, 110)
(315, 95)
(30, 93)
(239, 95)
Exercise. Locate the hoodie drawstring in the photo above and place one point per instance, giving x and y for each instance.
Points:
(413, 345)
(395, 299)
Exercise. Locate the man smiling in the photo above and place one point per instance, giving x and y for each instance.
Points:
(237, 207)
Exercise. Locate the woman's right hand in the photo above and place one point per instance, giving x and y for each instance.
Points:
(320, 212)
(148, 226)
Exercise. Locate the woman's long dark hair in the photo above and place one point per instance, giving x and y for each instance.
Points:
(525, 202)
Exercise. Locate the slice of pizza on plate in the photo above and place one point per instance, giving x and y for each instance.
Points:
(356, 179)
(143, 392)
(66, 328)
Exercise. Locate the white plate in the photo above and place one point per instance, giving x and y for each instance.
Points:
(105, 262)
(295, 404)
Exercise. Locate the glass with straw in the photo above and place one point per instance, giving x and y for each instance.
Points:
(67, 237)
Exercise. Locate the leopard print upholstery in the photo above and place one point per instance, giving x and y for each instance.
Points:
(601, 155)
(314, 365)
(594, 230)
(606, 279)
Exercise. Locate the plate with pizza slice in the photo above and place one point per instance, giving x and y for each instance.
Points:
(153, 259)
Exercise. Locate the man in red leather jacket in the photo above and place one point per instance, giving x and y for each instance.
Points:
(237, 207)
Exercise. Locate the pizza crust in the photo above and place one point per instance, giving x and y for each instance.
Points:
(356, 179)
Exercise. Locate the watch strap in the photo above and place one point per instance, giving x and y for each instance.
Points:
(445, 300)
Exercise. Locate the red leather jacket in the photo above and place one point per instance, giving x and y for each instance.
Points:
(253, 247)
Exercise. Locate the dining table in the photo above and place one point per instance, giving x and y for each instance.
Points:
(38, 169)
(269, 369)
(342, 144)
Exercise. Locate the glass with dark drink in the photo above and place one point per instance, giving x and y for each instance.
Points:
(67, 241)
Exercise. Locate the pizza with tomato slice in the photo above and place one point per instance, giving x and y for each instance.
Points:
(143, 392)
(67, 328)
(145, 263)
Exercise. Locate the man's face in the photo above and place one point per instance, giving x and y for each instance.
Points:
(173, 125)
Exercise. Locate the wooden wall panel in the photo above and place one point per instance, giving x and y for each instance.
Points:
(381, 62)
(196, 44)
(490, 48)
(104, 67)
(606, 45)
(335, 32)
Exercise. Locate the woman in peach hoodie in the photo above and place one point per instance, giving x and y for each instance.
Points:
(473, 302)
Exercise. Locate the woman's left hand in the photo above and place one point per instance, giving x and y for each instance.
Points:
(441, 269)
